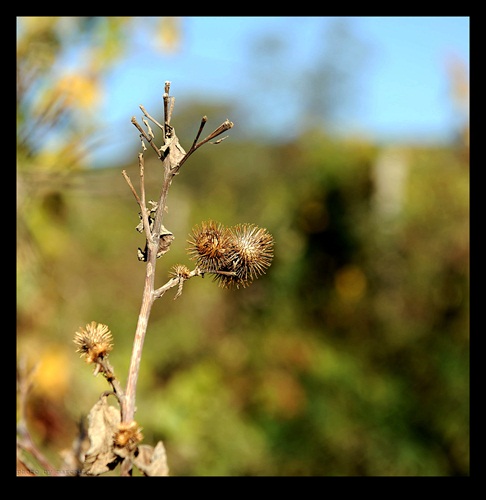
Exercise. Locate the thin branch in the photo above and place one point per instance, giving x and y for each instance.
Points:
(142, 179)
(150, 132)
(171, 108)
(179, 280)
(166, 104)
(109, 374)
(168, 108)
(226, 125)
(144, 211)
(223, 273)
(140, 201)
(151, 118)
(171, 283)
(129, 182)
(204, 119)
(146, 136)
(176, 281)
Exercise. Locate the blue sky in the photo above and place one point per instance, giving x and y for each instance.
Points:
(401, 89)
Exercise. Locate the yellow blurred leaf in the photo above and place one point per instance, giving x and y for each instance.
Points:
(54, 373)
(79, 91)
(168, 34)
(35, 25)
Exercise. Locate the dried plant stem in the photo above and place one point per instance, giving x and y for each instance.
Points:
(148, 297)
(109, 374)
(173, 157)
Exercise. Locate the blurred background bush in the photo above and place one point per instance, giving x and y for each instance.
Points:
(349, 357)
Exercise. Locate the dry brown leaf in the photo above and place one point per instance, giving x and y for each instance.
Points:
(152, 461)
(103, 422)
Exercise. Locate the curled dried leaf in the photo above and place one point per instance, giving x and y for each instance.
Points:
(103, 421)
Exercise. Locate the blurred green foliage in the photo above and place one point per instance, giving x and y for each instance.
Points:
(350, 357)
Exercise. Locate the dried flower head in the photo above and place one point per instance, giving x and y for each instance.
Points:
(94, 341)
(180, 271)
(128, 436)
(209, 245)
(236, 256)
(250, 256)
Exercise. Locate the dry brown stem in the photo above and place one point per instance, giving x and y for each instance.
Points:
(172, 156)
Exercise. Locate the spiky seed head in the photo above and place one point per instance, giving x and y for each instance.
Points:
(249, 256)
(209, 245)
(236, 256)
(180, 271)
(94, 341)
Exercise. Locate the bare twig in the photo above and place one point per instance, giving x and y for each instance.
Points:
(150, 132)
(204, 119)
(168, 105)
(129, 182)
(151, 118)
(140, 200)
(146, 136)
(143, 208)
(178, 280)
(226, 125)
(109, 374)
